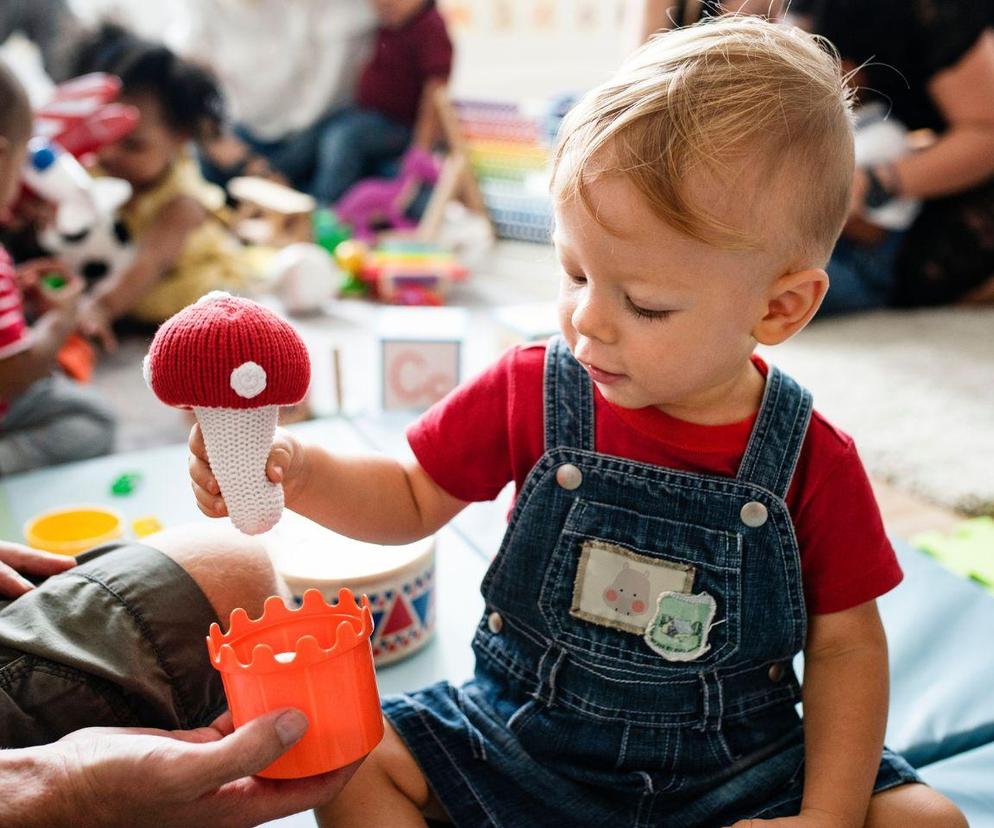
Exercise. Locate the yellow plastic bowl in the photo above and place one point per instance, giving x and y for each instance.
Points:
(74, 530)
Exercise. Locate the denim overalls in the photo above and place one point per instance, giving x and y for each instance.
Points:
(634, 663)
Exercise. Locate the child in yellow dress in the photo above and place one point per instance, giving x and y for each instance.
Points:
(175, 217)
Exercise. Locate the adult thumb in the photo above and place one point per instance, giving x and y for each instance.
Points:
(251, 748)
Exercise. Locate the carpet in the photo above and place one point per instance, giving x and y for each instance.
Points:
(915, 389)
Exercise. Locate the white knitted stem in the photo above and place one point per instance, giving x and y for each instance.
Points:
(238, 441)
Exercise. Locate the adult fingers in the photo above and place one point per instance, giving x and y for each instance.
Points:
(34, 561)
(250, 749)
(13, 585)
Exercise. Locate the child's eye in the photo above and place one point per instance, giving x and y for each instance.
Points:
(646, 313)
(577, 278)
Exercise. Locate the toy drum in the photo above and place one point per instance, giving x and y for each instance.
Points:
(399, 581)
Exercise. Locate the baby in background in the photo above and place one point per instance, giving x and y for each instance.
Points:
(684, 523)
(45, 418)
(174, 217)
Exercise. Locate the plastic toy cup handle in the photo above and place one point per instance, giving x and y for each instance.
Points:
(316, 659)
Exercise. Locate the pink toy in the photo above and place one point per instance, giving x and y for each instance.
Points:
(82, 117)
(382, 201)
(234, 363)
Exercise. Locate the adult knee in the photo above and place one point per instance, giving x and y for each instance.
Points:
(231, 569)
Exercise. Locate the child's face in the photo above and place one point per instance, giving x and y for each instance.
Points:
(143, 155)
(657, 318)
(11, 163)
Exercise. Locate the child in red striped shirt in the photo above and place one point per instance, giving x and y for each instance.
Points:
(44, 417)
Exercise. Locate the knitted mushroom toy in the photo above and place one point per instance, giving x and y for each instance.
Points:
(234, 363)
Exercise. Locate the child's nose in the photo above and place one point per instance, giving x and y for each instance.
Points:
(592, 319)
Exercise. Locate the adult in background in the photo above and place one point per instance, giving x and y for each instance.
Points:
(285, 68)
(932, 63)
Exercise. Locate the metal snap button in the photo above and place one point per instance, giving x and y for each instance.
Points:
(495, 622)
(754, 514)
(775, 672)
(569, 476)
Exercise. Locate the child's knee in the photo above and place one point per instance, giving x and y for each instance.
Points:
(916, 805)
(231, 569)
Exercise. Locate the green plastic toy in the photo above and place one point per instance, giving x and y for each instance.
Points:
(54, 281)
(125, 484)
(968, 550)
(328, 232)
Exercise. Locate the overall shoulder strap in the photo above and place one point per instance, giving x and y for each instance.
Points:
(569, 400)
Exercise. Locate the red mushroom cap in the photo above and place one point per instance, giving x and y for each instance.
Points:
(227, 352)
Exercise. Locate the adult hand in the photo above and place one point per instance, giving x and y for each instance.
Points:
(159, 779)
(285, 465)
(16, 559)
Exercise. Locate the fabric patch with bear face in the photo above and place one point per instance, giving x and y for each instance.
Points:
(616, 587)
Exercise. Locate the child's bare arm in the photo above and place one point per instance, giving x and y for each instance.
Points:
(427, 126)
(21, 370)
(157, 252)
(369, 497)
(845, 713)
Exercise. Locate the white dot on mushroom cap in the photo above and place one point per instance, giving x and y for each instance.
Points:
(248, 380)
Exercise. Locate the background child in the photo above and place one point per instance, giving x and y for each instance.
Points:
(44, 417)
(683, 525)
(412, 59)
(174, 217)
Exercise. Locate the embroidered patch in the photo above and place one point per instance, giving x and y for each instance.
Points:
(679, 629)
(616, 587)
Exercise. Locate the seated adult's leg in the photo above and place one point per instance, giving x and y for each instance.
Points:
(861, 277)
(349, 144)
(119, 640)
(55, 421)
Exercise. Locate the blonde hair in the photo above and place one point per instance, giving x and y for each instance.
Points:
(714, 96)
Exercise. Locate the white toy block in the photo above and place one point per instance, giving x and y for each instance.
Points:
(421, 352)
(520, 324)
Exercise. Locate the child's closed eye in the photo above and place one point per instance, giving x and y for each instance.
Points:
(647, 313)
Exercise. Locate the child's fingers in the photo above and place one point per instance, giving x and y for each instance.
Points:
(211, 505)
(196, 442)
(278, 463)
(201, 474)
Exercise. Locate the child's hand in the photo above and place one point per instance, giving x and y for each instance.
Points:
(57, 289)
(46, 278)
(16, 559)
(285, 465)
(95, 323)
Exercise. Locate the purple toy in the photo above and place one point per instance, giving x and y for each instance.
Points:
(378, 202)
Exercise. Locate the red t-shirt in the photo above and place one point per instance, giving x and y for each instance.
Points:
(403, 62)
(14, 332)
(490, 431)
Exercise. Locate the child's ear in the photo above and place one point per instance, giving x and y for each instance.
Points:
(793, 300)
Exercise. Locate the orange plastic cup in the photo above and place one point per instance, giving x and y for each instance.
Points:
(316, 659)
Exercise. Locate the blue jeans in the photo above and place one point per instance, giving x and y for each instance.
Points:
(329, 157)
(862, 278)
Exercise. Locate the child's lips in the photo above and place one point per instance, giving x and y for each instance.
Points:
(601, 376)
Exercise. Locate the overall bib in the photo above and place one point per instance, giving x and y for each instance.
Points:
(634, 663)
